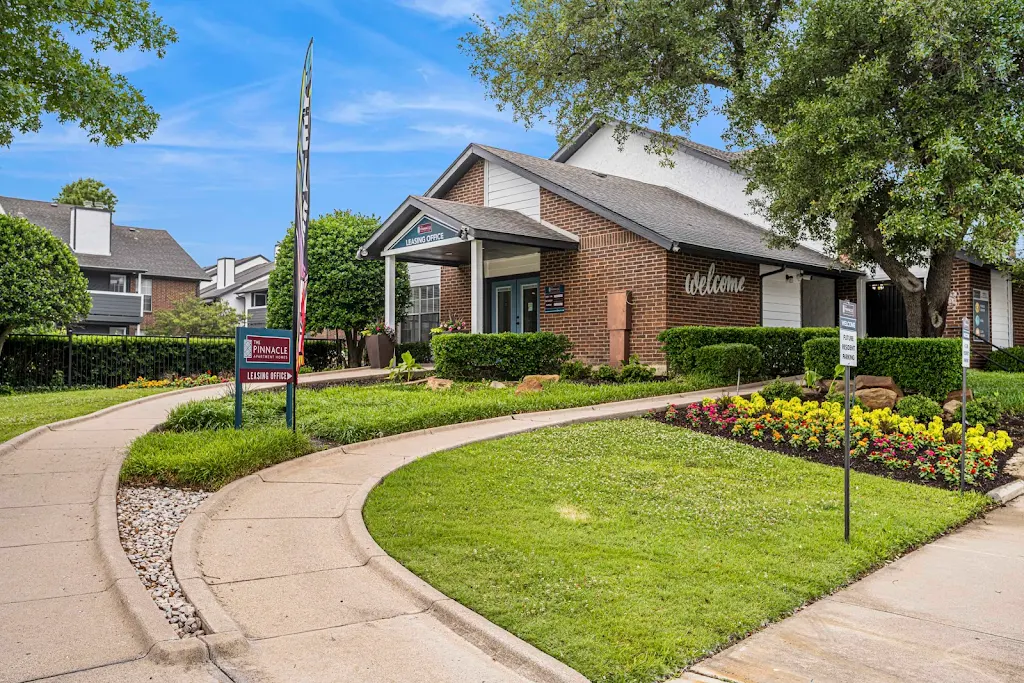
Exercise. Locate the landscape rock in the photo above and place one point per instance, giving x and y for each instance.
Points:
(875, 398)
(529, 385)
(811, 394)
(497, 385)
(438, 384)
(950, 407)
(1015, 465)
(876, 382)
(958, 394)
(542, 378)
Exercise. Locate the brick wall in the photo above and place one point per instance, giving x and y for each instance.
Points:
(610, 259)
(469, 189)
(846, 289)
(455, 282)
(166, 292)
(735, 308)
(967, 278)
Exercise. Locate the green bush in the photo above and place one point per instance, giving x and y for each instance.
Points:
(1011, 360)
(635, 371)
(607, 373)
(195, 416)
(723, 361)
(778, 388)
(781, 347)
(420, 351)
(921, 408)
(501, 356)
(575, 370)
(927, 366)
(985, 410)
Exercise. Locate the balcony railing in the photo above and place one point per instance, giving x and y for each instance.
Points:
(115, 307)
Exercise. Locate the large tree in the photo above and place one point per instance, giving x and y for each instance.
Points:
(193, 316)
(87, 190)
(345, 293)
(40, 282)
(42, 72)
(888, 129)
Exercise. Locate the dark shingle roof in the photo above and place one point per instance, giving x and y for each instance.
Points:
(153, 252)
(238, 262)
(491, 219)
(241, 278)
(657, 212)
(685, 144)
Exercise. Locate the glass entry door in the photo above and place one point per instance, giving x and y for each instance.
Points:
(515, 305)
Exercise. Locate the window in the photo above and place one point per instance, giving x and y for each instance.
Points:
(118, 283)
(119, 331)
(259, 299)
(422, 314)
(147, 295)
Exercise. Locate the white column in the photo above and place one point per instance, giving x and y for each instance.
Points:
(476, 248)
(862, 307)
(389, 291)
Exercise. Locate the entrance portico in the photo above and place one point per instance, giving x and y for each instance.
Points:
(501, 247)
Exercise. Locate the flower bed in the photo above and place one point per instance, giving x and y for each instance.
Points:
(881, 441)
(175, 382)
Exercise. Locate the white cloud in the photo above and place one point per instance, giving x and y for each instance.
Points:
(380, 104)
(449, 9)
(452, 131)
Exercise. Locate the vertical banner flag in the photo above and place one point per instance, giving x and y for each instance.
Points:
(301, 270)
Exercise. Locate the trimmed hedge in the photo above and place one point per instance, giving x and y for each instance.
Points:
(782, 348)
(500, 356)
(724, 361)
(927, 366)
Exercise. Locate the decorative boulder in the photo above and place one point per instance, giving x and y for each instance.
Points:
(497, 385)
(438, 384)
(876, 382)
(529, 385)
(542, 378)
(958, 394)
(875, 398)
(950, 407)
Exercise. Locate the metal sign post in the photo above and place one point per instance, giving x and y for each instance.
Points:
(965, 362)
(848, 359)
(264, 356)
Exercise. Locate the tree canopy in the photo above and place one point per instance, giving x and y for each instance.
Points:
(888, 129)
(193, 316)
(42, 72)
(87, 190)
(40, 282)
(345, 293)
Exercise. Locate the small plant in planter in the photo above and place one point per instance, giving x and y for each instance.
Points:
(451, 326)
(380, 344)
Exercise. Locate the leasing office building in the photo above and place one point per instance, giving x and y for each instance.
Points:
(518, 243)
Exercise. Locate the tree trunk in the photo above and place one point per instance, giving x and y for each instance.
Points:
(910, 285)
(353, 348)
(4, 333)
(936, 297)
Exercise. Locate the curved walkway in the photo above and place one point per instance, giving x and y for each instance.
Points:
(71, 606)
(283, 572)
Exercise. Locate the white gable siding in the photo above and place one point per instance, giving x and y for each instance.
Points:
(506, 190)
(424, 274)
(691, 175)
(780, 298)
(1002, 310)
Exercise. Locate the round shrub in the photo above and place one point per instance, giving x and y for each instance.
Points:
(723, 361)
(196, 416)
(778, 388)
(635, 371)
(607, 373)
(575, 370)
(921, 408)
(982, 410)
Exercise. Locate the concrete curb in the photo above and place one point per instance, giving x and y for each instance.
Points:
(1007, 492)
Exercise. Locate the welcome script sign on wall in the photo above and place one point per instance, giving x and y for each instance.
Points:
(703, 284)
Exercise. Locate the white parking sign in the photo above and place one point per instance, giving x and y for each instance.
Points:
(965, 342)
(847, 334)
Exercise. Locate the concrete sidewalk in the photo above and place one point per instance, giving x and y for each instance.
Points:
(69, 600)
(281, 561)
(950, 612)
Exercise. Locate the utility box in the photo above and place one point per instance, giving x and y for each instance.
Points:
(620, 322)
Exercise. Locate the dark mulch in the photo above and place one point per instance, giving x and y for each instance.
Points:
(1013, 424)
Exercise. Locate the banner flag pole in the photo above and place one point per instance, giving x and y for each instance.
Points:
(300, 271)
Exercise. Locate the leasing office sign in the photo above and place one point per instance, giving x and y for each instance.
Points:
(425, 232)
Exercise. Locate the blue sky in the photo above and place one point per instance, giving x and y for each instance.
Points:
(393, 105)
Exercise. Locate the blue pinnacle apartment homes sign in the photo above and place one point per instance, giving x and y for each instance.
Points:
(425, 231)
(263, 356)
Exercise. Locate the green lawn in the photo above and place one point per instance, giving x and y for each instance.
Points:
(22, 412)
(629, 549)
(1008, 386)
(348, 414)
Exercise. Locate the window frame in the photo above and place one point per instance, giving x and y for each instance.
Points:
(147, 297)
(256, 305)
(120, 278)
